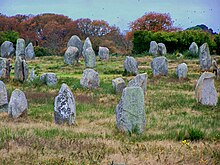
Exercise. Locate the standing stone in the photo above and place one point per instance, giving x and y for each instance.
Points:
(205, 90)
(29, 52)
(87, 44)
(193, 49)
(3, 98)
(153, 48)
(181, 70)
(20, 48)
(65, 106)
(90, 58)
(162, 50)
(103, 53)
(90, 79)
(204, 57)
(50, 79)
(32, 75)
(159, 66)
(3, 67)
(118, 85)
(7, 49)
(130, 112)
(75, 42)
(18, 104)
(131, 65)
(139, 81)
(21, 69)
(71, 55)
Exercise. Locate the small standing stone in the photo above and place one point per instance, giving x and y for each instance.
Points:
(3, 68)
(7, 49)
(182, 70)
(90, 58)
(90, 79)
(205, 90)
(20, 48)
(204, 57)
(21, 69)
(139, 81)
(118, 85)
(193, 49)
(159, 66)
(50, 79)
(18, 104)
(75, 41)
(162, 50)
(65, 106)
(3, 97)
(29, 52)
(130, 112)
(153, 48)
(32, 75)
(131, 65)
(87, 44)
(103, 53)
(71, 55)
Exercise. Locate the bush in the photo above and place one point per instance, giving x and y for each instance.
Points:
(8, 36)
(41, 51)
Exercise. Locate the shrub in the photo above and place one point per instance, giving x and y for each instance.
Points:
(8, 36)
(41, 51)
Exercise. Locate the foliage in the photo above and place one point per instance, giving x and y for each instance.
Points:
(217, 41)
(8, 36)
(41, 51)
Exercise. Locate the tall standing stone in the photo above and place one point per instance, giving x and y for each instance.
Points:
(162, 50)
(90, 79)
(205, 90)
(7, 49)
(204, 57)
(3, 67)
(18, 105)
(71, 55)
(130, 112)
(159, 66)
(181, 70)
(75, 41)
(90, 58)
(3, 98)
(153, 48)
(193, 49)
(103, 53)
(118, 85)
(50, 79)
(29, 52)
(139, 81)
(131, 65)
(65, 106)
(20, 69)
(20, 48)
(87, 44)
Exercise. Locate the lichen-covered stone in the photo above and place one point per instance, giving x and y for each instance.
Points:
(130, 112)
(193, 49)
(90, 58)
(32, 75)
(3, 97)
(3, 67)
(18, 105)
(71, 55)
(162, 50)
(139, 81)
(118, 85)
(159, 66)
(7, 49)
(153, 48)
(90, 79)
(20, 69)
(205, 90)
(75, 41)
(87, 44)
(29, 52)
(103, 53)
(131, 65)
(204, 57)
(50, 79)
(181, 70)
(20, 48)
(65, 106)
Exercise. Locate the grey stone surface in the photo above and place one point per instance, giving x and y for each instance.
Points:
(130, 112)
(90, 79)
(20, 48)
(159, 66)
(75, 41)
(87, 44)
(3, 97)
(90, 58)
(65, 106)
(7, 49)
(20, 69)
(71, 55)
(162, 50)
(103, 53)
(32, 75)
(139, 81)
(204, 57)
(50, 79)
(18, 105)
(131, 65)
(205, 90)
(3, 68)
(193, 49)
(118, 85)
(181, 70)
(153, 48)
(29, 52)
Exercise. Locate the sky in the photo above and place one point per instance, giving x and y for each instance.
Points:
(185, 13)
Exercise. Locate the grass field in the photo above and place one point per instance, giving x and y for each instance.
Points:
(172, 113)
